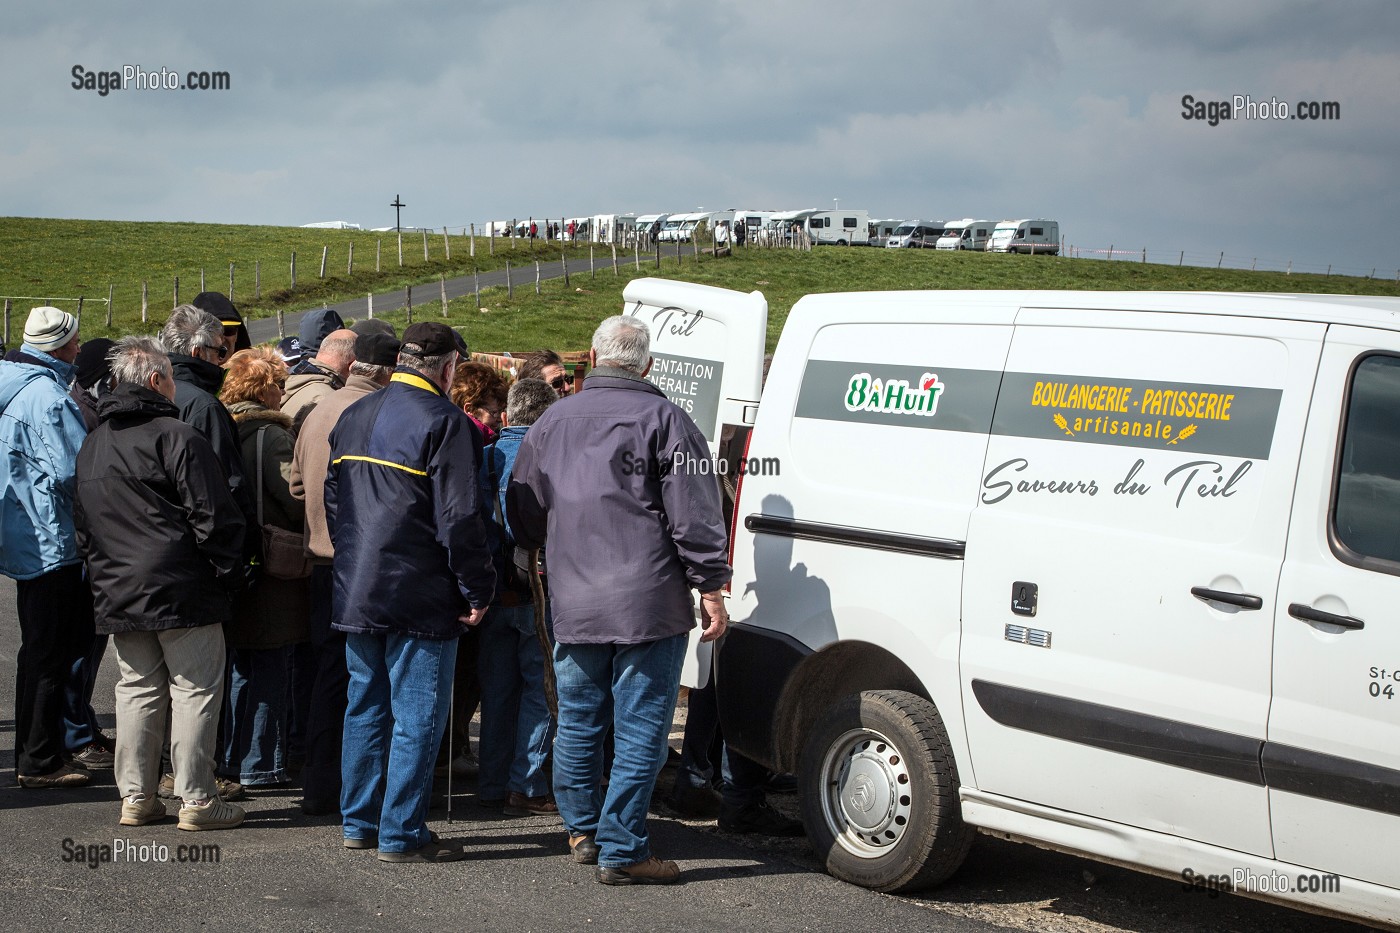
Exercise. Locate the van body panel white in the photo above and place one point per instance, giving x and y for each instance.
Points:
(1335, 721)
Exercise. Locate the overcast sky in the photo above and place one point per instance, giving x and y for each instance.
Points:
(473, 111)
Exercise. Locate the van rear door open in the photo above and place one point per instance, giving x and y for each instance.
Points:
(707, 349)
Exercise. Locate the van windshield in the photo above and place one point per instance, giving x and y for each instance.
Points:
(904, 230)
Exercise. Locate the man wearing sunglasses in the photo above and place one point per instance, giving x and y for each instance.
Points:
(546, 366)
(197, 348)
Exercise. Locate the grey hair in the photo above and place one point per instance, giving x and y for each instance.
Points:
(427, 365)
(527, 400)
(623, 341)
(190, 327)
(333, 347)
(370, 370)
(136, 359)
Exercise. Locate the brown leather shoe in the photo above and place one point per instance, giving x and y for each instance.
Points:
(517, 804)
(652, 871)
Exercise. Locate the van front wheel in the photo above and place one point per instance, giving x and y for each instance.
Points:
(880, 793)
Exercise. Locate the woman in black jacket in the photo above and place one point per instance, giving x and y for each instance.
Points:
(273, 615)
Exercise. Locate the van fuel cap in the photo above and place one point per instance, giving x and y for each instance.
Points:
(1024, 597)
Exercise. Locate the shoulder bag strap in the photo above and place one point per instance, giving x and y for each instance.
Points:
(262, 430)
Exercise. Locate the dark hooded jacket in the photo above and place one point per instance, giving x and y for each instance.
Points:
(162, 537)
(196, 397)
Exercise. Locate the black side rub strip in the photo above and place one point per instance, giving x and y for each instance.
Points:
(858, 537)
(1209, 751)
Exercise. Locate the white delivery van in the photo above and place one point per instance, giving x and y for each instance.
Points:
(1112, 573)
(752, 222)
(1038, 237)
(915, 234)
(840, 228)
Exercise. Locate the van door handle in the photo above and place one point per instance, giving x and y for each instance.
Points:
(1243, 600)
(1309, 614)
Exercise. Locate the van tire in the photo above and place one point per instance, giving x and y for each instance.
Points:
(858, 755)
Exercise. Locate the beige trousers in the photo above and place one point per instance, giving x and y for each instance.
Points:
(179, 671)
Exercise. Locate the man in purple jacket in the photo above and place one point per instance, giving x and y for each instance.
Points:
(614, 478)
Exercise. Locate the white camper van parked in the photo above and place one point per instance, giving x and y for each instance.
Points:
(967, 234)
(840, 228)
(1041, 237)
(915, 234)
(1109, 572)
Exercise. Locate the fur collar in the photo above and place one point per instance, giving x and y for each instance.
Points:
(253, 413)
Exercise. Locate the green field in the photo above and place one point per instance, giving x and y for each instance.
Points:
(66, 258)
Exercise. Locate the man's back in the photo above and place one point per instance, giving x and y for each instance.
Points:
(313, 456)
(627, 536)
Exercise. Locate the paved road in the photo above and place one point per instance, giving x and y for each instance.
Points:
(429, 294)
(283, 870)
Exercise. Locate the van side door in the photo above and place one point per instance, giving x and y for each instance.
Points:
(1122, 563)
(1332, 760)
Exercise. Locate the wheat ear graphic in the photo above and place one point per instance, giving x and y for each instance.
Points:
(1062, 424)
(1185, 433)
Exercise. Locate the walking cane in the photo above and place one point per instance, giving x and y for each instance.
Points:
(451, 723)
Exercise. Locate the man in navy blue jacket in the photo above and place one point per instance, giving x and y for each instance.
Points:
(412, 567)
(616, 479)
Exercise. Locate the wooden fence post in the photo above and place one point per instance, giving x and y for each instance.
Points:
(201, 279)
(408, 302)
(7, 322)
(281, 327)
(400, 249)
(324, 251)
(257, 280)
(177, 293)
(442, 283)
(564, 258)
(476, 285)
(371, 305)
(592, 273)
(537, 276)
(143, 301)
(1179, 258)
(110, 289)
(378, 249)
(471, 243)
(446, 246)
(425, 244)
(510, 293)
(491, 237)
(230, 281)
(1221, 261)
(79, 315)
(614, 252)
(350, 261)
(294, 268)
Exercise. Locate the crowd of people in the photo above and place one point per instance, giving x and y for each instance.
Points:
(311, 559)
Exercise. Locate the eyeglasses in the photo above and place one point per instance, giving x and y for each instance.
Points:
(221, 350)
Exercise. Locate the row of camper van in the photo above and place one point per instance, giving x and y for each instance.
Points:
(1001, 236)
(1113, 573)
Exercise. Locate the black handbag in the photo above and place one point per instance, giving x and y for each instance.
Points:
(284, 552)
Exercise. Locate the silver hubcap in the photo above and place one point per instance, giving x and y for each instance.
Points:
(865, 793)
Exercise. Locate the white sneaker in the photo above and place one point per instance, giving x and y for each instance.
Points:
(138, 810)
(214, 813)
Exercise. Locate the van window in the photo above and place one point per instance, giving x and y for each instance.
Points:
(1367, 514)
(1037, 231)
(849, 223)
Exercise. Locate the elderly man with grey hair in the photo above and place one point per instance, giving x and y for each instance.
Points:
(195, 341)
(601, 476)
(163, 541)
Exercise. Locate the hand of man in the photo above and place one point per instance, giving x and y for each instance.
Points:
(714, 615)
(473, 617)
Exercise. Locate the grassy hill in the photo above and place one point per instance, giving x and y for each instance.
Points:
(69, 258)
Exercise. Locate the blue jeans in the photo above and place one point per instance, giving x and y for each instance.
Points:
(80, 726)
(397, 702)
(516, 728)
(631, 688)
(255, 719)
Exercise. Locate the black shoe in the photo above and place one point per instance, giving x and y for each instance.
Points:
(694, 803)
(584, 850)
(319, 808)
(758, 819)
(781, 783)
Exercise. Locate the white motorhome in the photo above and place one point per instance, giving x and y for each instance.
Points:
(646, 222)
(915, 234)
(1041, 237)
(966, 234)
(781, 225)
(611, 228)
(882, 230)
(581, 229)
(1111, 573)
(680, 227)
(839, 228)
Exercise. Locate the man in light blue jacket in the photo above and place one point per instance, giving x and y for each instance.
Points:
(41, 431)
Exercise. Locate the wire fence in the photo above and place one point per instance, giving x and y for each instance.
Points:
(1225, 260)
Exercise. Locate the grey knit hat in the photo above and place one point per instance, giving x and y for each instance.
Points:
(49, 328)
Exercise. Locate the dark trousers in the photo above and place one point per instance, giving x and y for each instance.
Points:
(80, 724)
(325, 714)
(56, 629)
